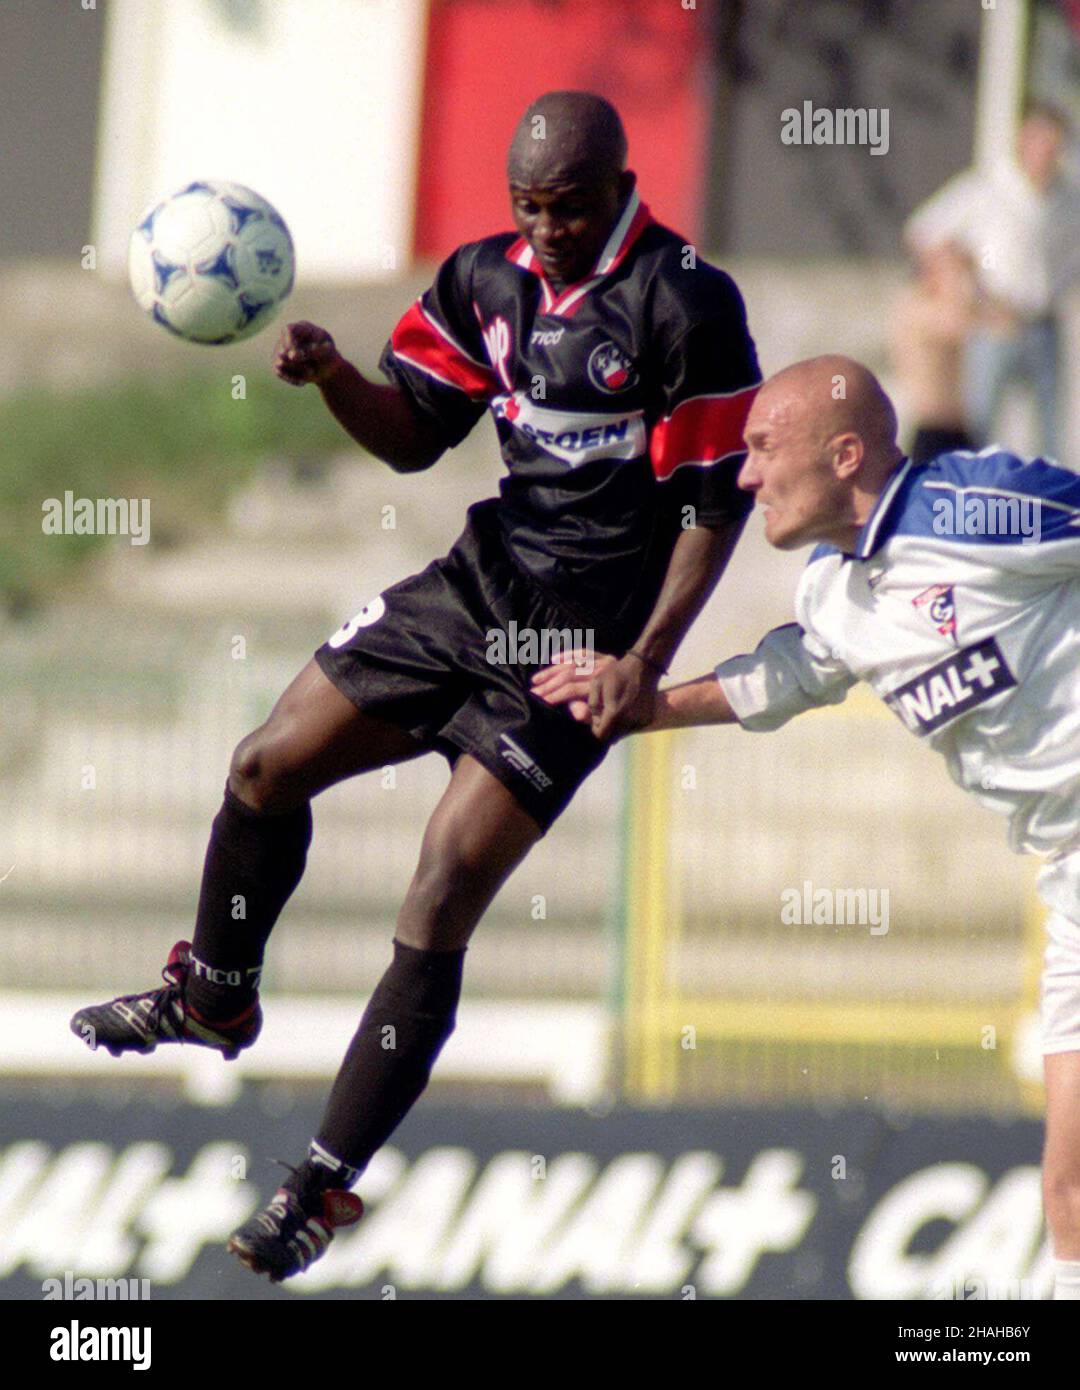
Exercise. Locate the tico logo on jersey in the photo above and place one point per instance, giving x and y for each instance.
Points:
(951, 688)
(521, 762)
(610, 369)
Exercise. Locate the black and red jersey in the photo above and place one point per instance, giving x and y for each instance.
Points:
(619, 402)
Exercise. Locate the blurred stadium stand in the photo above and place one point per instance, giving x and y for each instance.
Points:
(134, 672)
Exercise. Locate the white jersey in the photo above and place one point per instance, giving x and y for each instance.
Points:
(961, 608)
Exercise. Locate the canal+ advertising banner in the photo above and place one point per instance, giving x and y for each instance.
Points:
(499, 1202)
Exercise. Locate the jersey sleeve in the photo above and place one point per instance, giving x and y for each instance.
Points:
(789, 673)
(709, 378)
(435, 354)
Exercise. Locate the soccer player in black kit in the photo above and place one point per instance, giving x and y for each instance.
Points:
(620, 371)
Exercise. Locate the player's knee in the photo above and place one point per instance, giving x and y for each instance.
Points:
(258, 776)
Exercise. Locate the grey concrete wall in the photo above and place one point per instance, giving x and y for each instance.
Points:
(916, 60)
(50, 71)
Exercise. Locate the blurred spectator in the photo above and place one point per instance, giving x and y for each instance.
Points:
(1017, 220)
(930, 325)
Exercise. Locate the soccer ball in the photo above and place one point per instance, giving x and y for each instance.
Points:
(212, 263)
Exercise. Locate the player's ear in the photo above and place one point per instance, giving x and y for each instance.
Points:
(847, 452)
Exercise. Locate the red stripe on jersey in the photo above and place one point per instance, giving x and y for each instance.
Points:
(419, 341)
(703, 429)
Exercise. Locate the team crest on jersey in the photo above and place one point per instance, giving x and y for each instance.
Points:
(610, 369)
(940, 605)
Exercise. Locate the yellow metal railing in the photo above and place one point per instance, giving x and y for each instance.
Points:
(651, 917)
(927, 1048)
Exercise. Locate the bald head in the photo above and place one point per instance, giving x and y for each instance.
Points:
(822, 446)
(565, 137)
(834, 395)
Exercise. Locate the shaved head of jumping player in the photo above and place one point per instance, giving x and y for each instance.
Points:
(568, 181)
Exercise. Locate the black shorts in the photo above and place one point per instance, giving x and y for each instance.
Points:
(446, 654)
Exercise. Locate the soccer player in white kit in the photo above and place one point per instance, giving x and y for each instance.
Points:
(953, 589)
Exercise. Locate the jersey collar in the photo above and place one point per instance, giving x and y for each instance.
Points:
(632, 221)
(879, 525)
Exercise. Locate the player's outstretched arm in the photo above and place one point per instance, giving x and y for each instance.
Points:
(569, 681)
(700, 701)
(378, 417)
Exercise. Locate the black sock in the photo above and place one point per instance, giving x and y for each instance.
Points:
(253, 863)
(384, 1072)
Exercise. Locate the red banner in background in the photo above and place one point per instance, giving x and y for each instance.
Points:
(487, 60)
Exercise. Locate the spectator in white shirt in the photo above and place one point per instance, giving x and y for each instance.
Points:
(1017, 221)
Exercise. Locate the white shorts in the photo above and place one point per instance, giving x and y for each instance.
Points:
(1059, 888)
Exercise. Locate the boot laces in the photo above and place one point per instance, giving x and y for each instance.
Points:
(172, 992)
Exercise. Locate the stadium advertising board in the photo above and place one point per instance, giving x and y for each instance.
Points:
(516, 1202)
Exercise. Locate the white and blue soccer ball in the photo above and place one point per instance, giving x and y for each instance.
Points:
(213, 263)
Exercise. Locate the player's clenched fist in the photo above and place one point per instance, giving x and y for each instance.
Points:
(304, 352)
